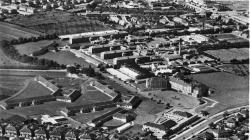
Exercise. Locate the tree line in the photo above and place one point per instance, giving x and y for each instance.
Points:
(10, 51)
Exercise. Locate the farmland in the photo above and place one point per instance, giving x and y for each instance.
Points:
(226, 55)
(230, 90)
(58, 22)
(9, 31)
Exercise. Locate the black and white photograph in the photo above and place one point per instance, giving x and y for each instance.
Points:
(124, 69)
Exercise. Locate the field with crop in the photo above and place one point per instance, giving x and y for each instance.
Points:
(58, 22)
(226, 55)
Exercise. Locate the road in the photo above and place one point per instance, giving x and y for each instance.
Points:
(202, 126)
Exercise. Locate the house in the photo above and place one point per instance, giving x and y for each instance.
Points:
(231, 122)
(180, 85)
(123, 117)
(159, 129)
(221, 133)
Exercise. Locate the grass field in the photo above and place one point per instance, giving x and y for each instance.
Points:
(228, 54)
(147, 110)
(9, 31)
(33, 73)
(64, 57)
(176, 99)
(10, 84)
(230, 90)
(6, 61)
(29, 48)
(238, 69)
(58, 22)
(33, 89)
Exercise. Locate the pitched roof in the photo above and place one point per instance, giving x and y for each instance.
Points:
(154, 125)
(169, 123)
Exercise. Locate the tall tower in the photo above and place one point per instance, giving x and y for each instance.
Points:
(179, 51)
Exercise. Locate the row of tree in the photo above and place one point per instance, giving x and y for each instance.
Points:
(22, 40)
(11, 52)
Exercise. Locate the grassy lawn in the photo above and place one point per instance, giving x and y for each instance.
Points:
(33, 89)
(230, 90)
(29, 48)
(6, 61)
(176, 99)
(51, 108)
(10, 84)
(58, 22)
(113, 123)
(147, 111)
(9, 31)
(238, 69)
(64, 57)
(229, 54)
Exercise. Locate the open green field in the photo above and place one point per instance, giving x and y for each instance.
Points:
(64, 57)
(30, 47)
(6, 61)
(147, 110)
(176, 99)
(10, 84)
(33, 73)
(58, 22)
(228, 54)
(51, 108)
(230, 90)
(238, 69)
(95, 95)
(33, 89)
(9, 31)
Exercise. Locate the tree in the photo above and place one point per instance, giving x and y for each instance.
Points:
(225, 114)
(204, 113)
(3, 125)
(71, 69)
(211, 125)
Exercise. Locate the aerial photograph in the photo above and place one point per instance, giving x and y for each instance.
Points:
(124, 69)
